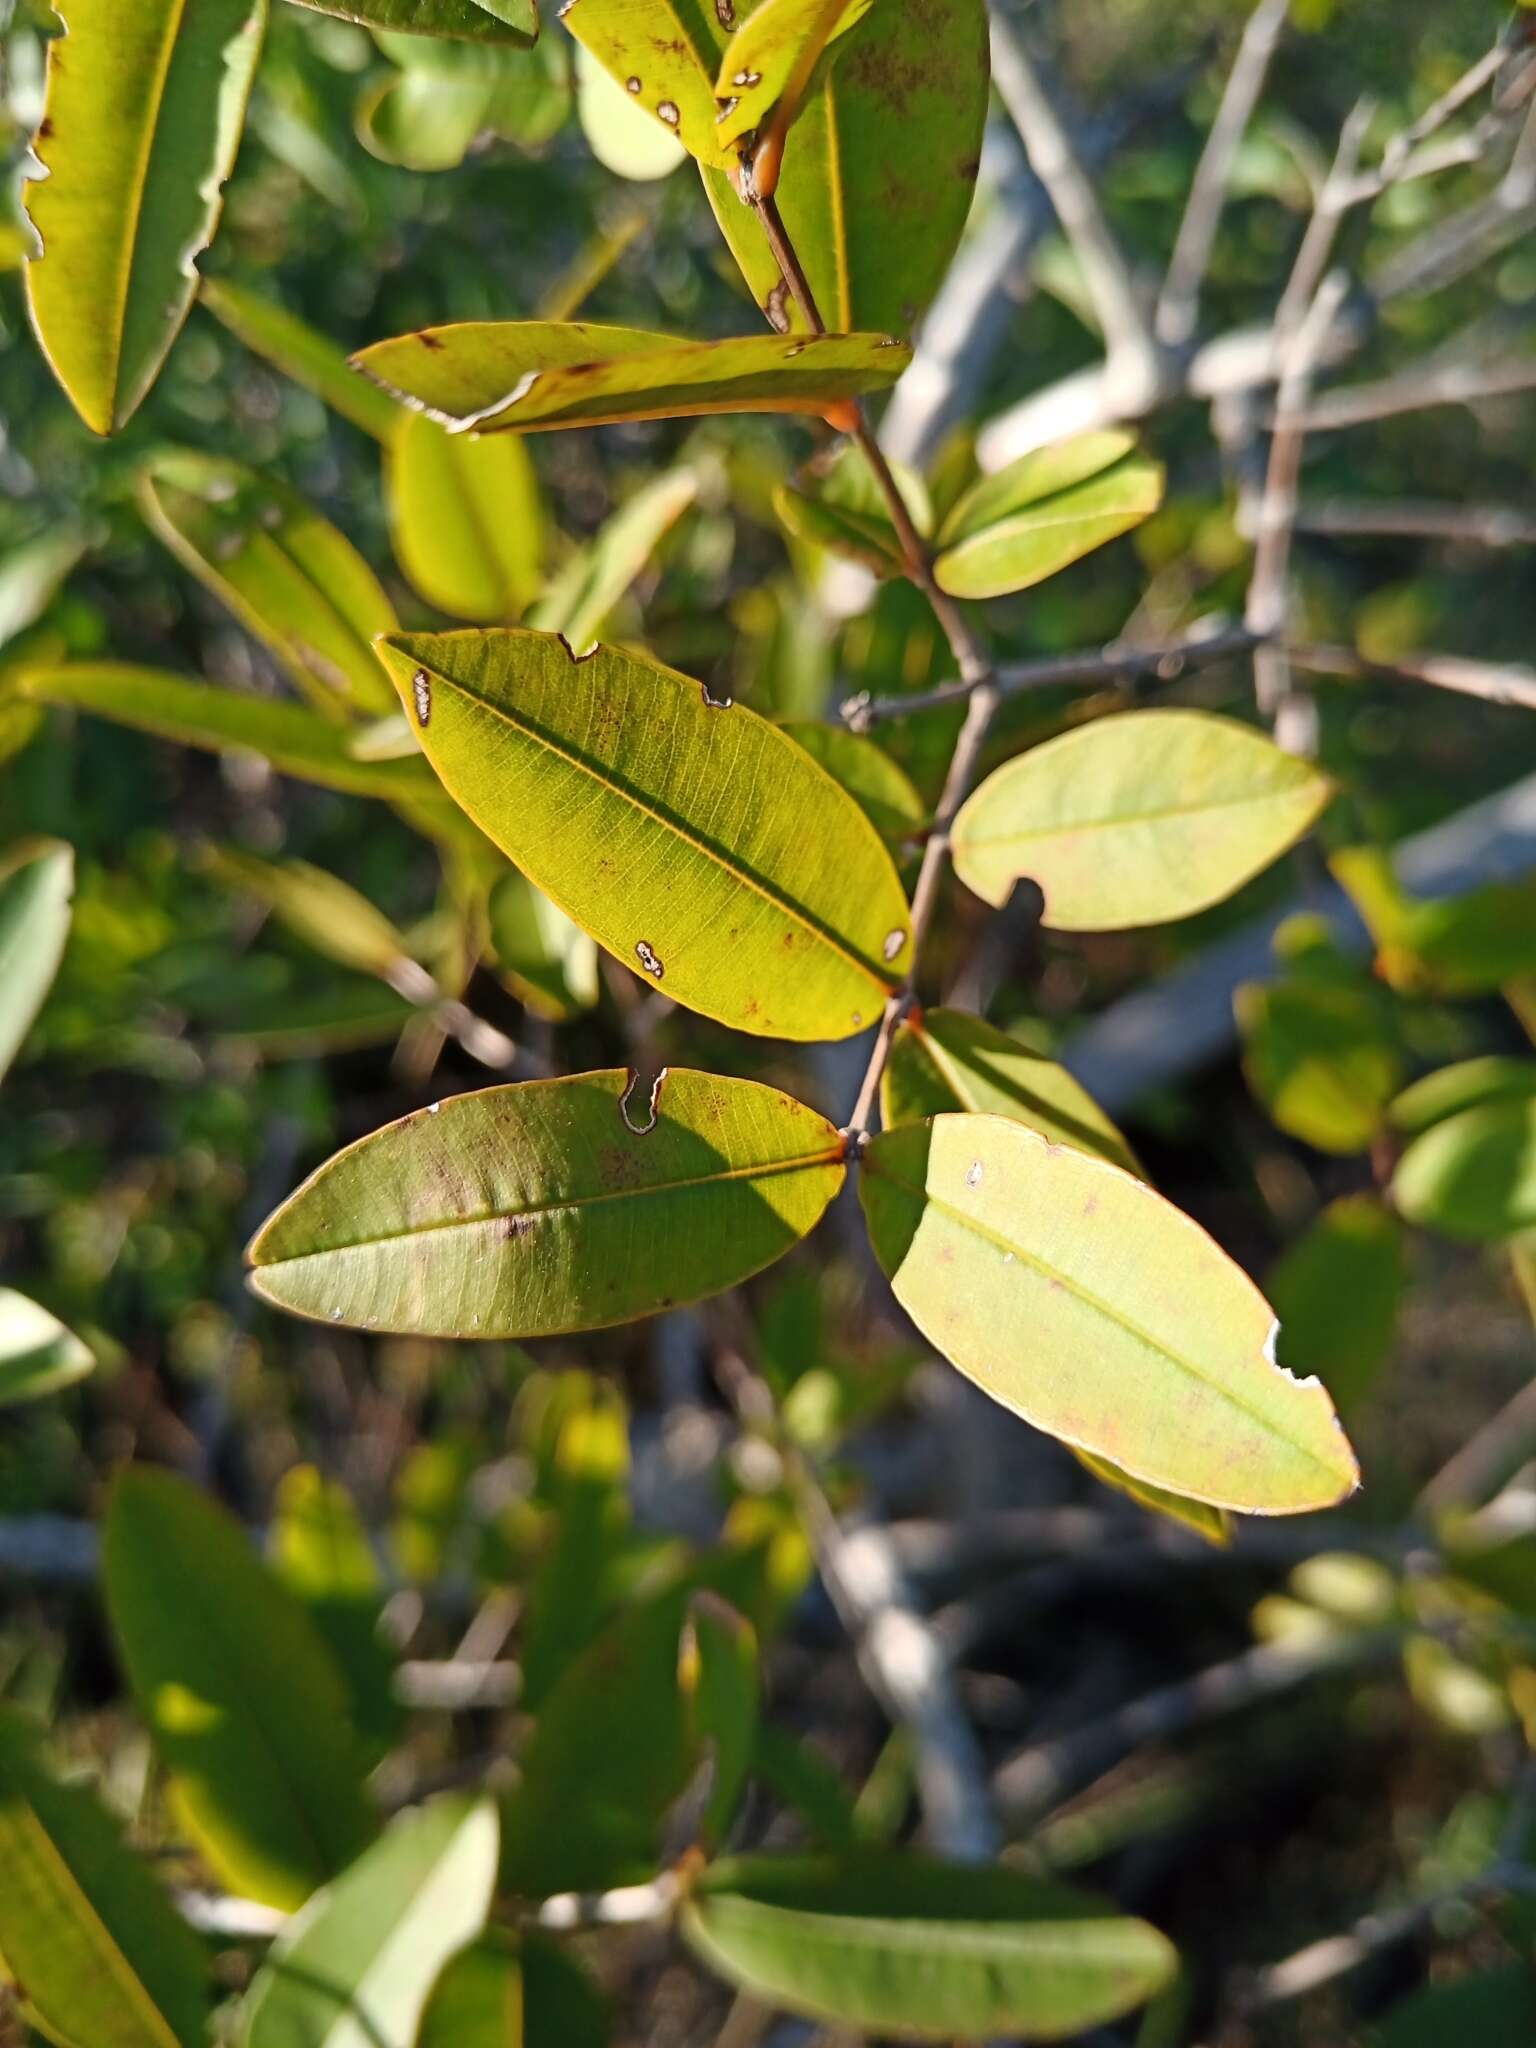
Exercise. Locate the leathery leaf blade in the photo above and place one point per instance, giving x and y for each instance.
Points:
(927, 1951)
(878, 172)
(239, 1692)
(37, 886)
(312, 359)
(359, 1964)
(528, 376)
(693, 839)
(552, 1206)
(773, 55)
(482, 21)
(466, 519)
(95, 1950)
(1136, 820)
(1062, 1287)
(664, 54)
(142, 119)
(1027, 546)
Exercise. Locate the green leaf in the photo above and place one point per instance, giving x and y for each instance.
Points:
(287, 575)
(237, 1690)
(1337, 1291)
(97, 1954)
(140, 126)
(620, 133)
(1029, 545)
(882, 789)
(320, 909)
(1044, 475)
(549, 964)
(1495, 2008)
(577, 604)
(772, 58)
(296, 740)
(355, 1969)
(720, 1684)
(322, 1554)
(845, 510)
(1321, 1058)
(506, 1993)
(311, 359)
(945, 1060)
(38, 1355)
(893, 1944)
(467, 520)
(1136, 819)
(37, 886)
(550, 1206)
(488, 21)
(449, 97)
(879, 171)
(1085, 1303)
(527, 376)
(31, 576)
(1214, 1524)
(664, 54)
(1474, 1175)
(585, 1490)
(692, 839)
(1496, 1078)
(1453, 946)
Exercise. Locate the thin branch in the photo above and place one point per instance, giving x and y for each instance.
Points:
(1178, 305)
(1482, 526)
(1119, 662)
(1128, 339)
(1322, 1962)
(1322, 232)
(1503, 683)
(1417, 391)
(1486, 1459)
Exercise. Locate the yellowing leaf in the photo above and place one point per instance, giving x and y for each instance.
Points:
(488, 21)
(92, 1946)
(1023, 547)
(878, 172)
(310, 359)
(1214, 1524)
(37, 1354)
(140, 127)
(577, 603)
(527, 376)
(664, 55)
(240, 1695)
(1089, 1306)
(286, 574)
(1474, 1175)
(695, 841)
(1136, 819)
(621, 133)
(772, 59)
(881, 788)
(944, 1060)
(551, 1206)
(466, 519)
(37, 886)
(549, 963)
(899, 1945)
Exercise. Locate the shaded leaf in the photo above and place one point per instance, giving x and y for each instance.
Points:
(549, 964)
(319, 908)
(663, 54)
(1456, 946)
(879, 171)
(31, 576)
(240, 1695)
(356, 1968)
(845, 510)
(309, 358)
(1337, 1291)
(1214, 1524)
(946, 1060)
(287, 574)
(1496, 2008)
(1464, 1085)
(882, 789)
(467, 520)
(694, 841)
(624, 137)
(1136, 819)
(526, 376)
(930, 1951)
(1044, 474)
(585, 1489)
(771, 59)
(1474, 1175)
(38, 1355)
(97, 1954)
(1038, 541)
(449, 97)
(720, 1684)
(37, 886)
(551, 1205)
(577, 603)
(1062, 1287)
(505, 1993)
(1321, 1058)
(490, 21)
(140, 127)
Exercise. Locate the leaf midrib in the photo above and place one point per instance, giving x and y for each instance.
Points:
(1121, 823)
(156, 103)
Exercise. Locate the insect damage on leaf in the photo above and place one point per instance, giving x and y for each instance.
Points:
(652, 1103)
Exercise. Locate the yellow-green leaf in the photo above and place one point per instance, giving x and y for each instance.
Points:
(488, 21)
(93, 1948)
(37, 1354)
(1474, 1175)
(1468, 1083)
(356, 1968)
(695, 841)
(37, 886)
(1136, 819)
(718, 1668)
(1336, 1291)
(1085, 1303)
(550, 964)
(1024, 547)
(467, 520)
(772, 59)
(896, 1944)
(1214, 1524)
(1044, 473)
(506, 1991)
(140, 126)
(664, 55)
(239, 1693)
(309, 358)
(944, 1060)
(577, 603)
(1321, 1057)
(322, 1553)
(878, 172)
(880, 787)
(319, 908)
(844, 508)
(528, 376)
(551, 1206)
(289, 577)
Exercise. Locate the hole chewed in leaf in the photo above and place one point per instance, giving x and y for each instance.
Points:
(715, 703)
(645, 954)
(421, 690)
(653, 1099)
(894, 941)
